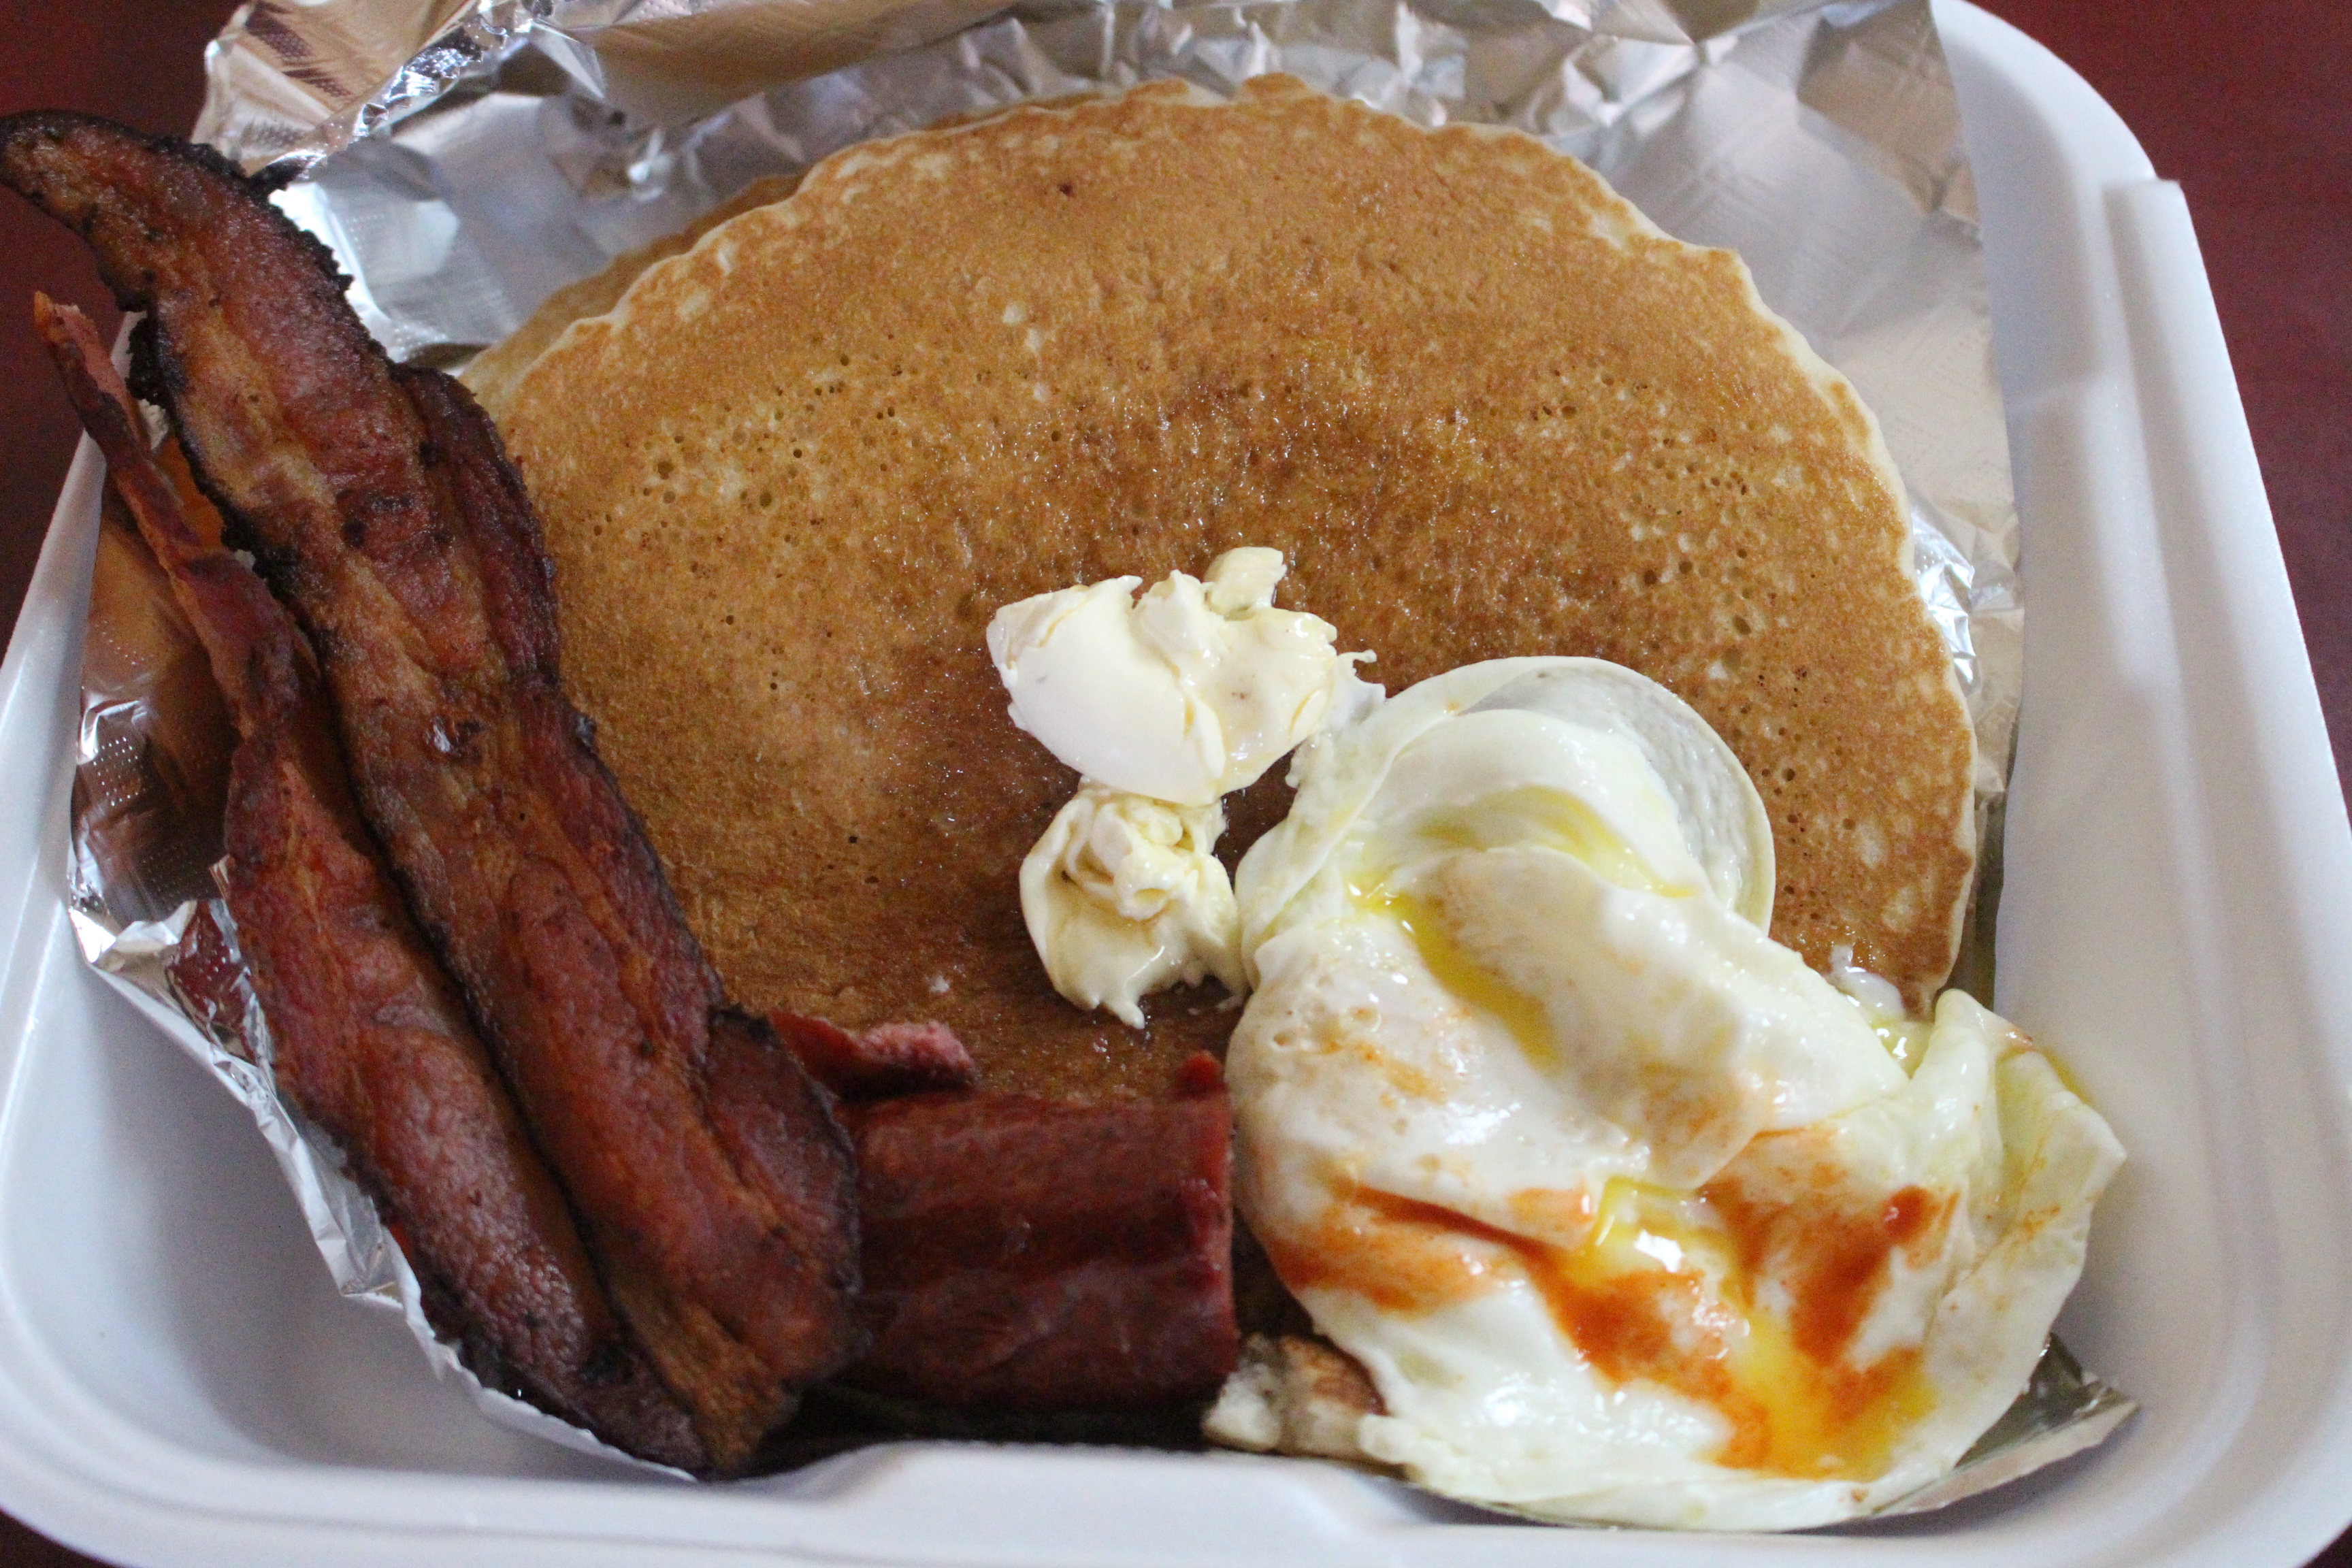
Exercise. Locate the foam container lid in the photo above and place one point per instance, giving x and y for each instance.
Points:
(179, 1383)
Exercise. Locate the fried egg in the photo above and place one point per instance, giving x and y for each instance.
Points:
(1630, 1215)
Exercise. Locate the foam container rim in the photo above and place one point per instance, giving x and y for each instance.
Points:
(2178, 907)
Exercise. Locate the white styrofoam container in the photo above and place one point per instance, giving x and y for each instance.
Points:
(180, 1385)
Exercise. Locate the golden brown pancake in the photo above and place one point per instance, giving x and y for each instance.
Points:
(491, 375)
(1484, 406)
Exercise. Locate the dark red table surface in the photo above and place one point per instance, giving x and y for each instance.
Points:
(2248, 106)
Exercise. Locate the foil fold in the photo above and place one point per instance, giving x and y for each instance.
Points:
(464, 158)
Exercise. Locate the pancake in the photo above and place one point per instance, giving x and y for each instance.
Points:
(1484, 406)
(491, 375)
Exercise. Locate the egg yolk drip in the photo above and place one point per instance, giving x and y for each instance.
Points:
(1663, 1285)
(1452, 967)
(1529, 815)
(1542, 816)
(1664, 1290)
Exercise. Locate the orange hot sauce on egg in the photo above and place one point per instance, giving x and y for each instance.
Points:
(1663, 1290)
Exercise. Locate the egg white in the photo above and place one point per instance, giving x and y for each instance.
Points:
(1630, 1216)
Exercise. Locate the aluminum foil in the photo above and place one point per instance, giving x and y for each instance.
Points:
(464, 158)
(1821, 141)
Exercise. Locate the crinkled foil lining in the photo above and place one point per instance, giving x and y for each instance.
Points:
(464, 158)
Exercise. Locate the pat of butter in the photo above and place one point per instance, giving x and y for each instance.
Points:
(1190, 692)
(1123, 896)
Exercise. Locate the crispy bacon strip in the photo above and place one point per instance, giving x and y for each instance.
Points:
(370, 1040)
(713, 1185)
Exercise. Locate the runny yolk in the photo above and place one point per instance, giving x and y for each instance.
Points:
(1663, 1290)
(1535, 816)
(1463, 976)
(1663, 1287)
(1529, 815)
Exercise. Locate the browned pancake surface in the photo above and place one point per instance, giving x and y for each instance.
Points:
(491, 375)
(1483, 408)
